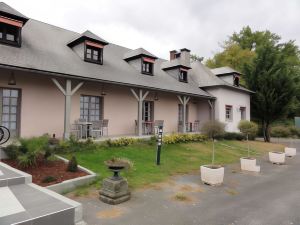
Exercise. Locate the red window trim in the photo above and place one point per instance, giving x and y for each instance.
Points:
(12, 22)
(93, 44)
(182, 69)
(145, 59)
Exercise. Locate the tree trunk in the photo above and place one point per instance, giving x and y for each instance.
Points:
(266, 131)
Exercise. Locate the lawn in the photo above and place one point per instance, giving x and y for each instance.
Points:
(175, 158)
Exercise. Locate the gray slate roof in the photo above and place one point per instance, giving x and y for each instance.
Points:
(223, 70)
(88, 35)
(44, 48)
(205, 78)
(9, 10)
(138, 52)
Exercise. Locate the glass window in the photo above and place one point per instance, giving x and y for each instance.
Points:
(90, 108)
(9, 34)
(93, 54)
(183, 76)
(147, 68)
(243, 113)
(228, 112)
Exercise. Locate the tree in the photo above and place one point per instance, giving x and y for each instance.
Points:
(272, 78)
(248, 129)
(213, 129)
(195, 58)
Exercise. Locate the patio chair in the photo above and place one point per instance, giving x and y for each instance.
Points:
(158, 123)
(84, 129)
(76, 131)
(105, 127)
(196, 126)
(96, 129)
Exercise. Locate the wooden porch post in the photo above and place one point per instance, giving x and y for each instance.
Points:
(184, 101)
(68, 92)
(212, 109)
(140, 97)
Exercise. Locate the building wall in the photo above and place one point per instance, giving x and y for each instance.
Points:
(42, 105)
(234, 98)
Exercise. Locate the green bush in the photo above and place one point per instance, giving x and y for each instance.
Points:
(248, 128)
(280, 131)
(231, 136)
(294, 131)
(213, 129)
(12, 151)
(182, 138)
(73, 145)
(72, 165)
(121, 142)
(29, 159)
(49, 179)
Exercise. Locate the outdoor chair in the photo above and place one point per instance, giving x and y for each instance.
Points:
(96, 129)
(76, 131)
(196, 126)
(105, 127)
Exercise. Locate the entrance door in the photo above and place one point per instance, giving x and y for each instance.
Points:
(148, 111)
(9, 110)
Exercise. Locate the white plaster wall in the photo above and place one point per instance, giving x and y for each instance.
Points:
(227, 78)
(236, 99)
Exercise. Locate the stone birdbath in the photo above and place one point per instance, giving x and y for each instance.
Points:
(115, 189)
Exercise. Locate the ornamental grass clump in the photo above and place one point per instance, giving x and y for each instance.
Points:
(213, 129)
(248, 129)
(73, 165)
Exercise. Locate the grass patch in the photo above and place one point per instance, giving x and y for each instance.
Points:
(175, 159)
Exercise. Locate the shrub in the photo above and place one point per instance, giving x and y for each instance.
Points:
(294, 131)
(248, 128)
(12, 151)
(35, 144)
(231, 136)
(72, 165)
(49, 179)
(73, 145)
(213, 129)
(28, 159)
(280, 131)
(121, 142)
(182, 138)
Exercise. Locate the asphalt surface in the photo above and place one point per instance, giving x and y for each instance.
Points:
(271, 197)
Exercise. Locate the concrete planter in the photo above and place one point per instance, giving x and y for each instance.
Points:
(212, 175)
(290, 152)
(277, 157)
(249, 164)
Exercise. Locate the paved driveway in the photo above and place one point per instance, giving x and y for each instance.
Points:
(269, 198)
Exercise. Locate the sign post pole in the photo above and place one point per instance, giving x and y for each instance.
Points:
(159, 143)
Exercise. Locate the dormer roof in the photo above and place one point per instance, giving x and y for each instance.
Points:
(7, 11)
(136, 53)
(224, 71)
(87, 36)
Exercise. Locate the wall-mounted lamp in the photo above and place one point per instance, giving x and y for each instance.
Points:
(103, 93)
(155, 96)
(12, 79)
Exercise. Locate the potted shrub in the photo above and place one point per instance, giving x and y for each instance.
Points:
(212, 174)
(277, 157)
(290, 152)
(248, 129)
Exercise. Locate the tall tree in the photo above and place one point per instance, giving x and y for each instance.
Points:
(273, 79)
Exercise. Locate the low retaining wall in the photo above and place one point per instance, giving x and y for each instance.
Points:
(70, 185)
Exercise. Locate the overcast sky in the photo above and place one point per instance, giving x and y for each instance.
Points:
(163, 25)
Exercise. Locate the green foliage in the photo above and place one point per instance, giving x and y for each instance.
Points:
(231, 136)
(73, 165)
(195, 58)
(294, 131)
(248, 128)
(35, 144)
(280, 131)
(74, 145)
(183, 138)
(28, 159)
(121, 142)
(49, 179)
(12, 151)
(213, 129)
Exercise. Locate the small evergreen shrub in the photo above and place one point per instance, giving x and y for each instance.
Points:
(183, 138)
(72, 165)
(12, 151)
(280, 131)
(248, 128)
(49, 179)
(231, 136)
(213, 129)
(121, 142)
(294, 131)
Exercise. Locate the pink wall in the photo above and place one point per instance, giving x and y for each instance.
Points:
(42, 107)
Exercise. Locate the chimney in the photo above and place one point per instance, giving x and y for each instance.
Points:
(185, 56)
(172, 54)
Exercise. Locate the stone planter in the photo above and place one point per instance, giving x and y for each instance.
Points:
(277, 157)
(212, 175)
(290, 152)
(249, 164)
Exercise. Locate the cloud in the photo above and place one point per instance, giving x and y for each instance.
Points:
(160, 26)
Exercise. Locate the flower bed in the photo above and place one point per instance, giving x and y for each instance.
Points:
(46, 171)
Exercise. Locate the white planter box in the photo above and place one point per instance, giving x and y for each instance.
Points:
(290, 151)
(277, 157)
(249, 164)
(212, 176)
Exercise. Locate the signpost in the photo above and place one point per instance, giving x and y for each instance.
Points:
(4, 137)
(159, 143)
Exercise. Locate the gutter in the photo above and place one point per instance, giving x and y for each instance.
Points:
(49, 73)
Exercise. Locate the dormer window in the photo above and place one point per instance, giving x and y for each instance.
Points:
(10, 31)
(147, 66)
(93, 52)
(183, 75)
(236, 81)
